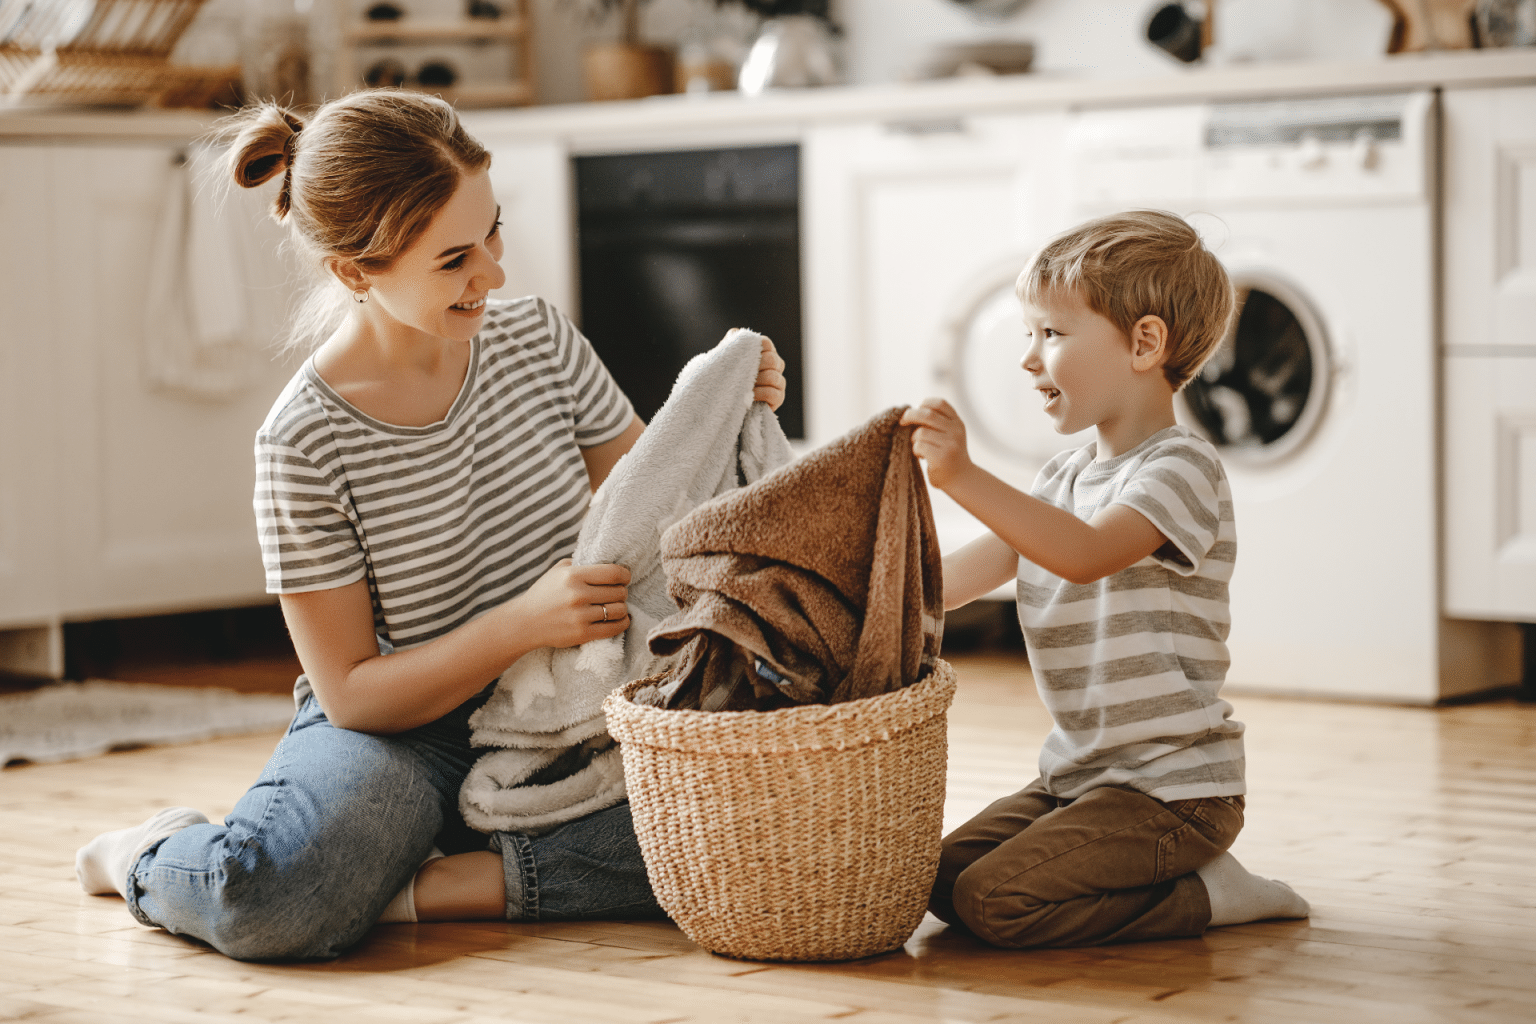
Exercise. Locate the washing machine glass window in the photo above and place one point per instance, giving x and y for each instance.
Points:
(992, 392)
(1261, 395)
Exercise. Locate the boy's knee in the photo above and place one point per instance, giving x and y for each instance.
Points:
(994, 915)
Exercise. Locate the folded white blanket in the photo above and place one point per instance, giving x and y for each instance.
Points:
(709, 438)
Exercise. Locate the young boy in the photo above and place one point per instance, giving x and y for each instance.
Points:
(1122, 552)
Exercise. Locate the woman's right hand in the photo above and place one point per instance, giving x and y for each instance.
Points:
(567, 606)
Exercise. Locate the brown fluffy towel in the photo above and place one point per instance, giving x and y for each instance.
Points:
(819, 583)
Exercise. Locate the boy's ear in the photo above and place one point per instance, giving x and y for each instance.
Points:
(1149, 343)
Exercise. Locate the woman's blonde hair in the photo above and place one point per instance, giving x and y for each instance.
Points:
(361, 180)
(1143, 262)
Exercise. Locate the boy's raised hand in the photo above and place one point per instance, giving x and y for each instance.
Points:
(939, 440)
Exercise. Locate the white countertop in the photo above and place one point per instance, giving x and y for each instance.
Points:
(727, 114)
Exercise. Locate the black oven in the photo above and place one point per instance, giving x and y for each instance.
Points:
(676, 248)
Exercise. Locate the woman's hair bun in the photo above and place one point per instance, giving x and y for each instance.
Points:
(262, 144)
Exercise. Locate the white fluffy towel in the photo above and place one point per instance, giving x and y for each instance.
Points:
(555, 761)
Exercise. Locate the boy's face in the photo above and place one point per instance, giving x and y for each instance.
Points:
(1077, 360)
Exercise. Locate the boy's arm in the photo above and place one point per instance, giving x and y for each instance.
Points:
(1054, 539)
(977, 569)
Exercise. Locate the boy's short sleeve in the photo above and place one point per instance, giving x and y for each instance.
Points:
(308, 539)
(602, 410)
(1182, 490)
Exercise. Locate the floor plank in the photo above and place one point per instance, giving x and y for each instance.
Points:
(1409, 829)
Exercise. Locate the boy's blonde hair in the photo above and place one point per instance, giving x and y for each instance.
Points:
(1143, 262)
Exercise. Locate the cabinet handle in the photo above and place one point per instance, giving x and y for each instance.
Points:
(927, 126)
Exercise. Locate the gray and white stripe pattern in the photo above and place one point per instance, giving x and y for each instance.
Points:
(448, 520)
(1129, 666)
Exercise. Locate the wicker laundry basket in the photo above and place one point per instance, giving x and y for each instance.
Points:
(810, 833)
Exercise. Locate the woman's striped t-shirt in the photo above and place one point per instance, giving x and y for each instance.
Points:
(444, 521)
(1129, 666)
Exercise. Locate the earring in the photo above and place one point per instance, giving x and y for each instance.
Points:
(361, 295)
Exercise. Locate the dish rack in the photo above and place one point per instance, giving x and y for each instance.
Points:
(97, 52)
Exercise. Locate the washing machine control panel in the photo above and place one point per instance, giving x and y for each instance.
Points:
(1343, 149)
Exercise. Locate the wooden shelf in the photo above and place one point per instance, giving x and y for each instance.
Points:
(513, 31)
(469, 97)
(408, 30)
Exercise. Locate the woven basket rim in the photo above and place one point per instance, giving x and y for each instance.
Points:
(823, 726)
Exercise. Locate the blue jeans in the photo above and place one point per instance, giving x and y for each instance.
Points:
(336, 825)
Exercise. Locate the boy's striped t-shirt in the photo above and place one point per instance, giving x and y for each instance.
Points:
(1129, 666)
(448, 520)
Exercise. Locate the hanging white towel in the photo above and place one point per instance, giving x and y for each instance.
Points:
(196, 324)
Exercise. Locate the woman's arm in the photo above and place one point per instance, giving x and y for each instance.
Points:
(601, 459)
(360, 689)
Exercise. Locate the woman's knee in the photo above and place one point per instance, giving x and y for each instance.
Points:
(271, 930)
(306, 904)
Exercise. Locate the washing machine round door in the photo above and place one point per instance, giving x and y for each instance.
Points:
(1262, 395)
(991, 391)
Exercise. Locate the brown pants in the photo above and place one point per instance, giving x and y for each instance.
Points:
(1112, 865)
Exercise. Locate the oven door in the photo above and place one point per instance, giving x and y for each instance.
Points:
(676, 249)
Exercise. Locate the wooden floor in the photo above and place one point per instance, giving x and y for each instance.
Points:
(1412, 832)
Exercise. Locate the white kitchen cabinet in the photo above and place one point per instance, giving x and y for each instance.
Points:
(1489, 365)
(125, 487)
(1490, 492)
(1490, 220)
(901, 221)
(532, 182)
(29, 495)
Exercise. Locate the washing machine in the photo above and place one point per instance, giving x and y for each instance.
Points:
(1322, 399)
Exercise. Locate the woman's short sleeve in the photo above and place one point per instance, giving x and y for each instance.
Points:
(309, 539)
(602, 410)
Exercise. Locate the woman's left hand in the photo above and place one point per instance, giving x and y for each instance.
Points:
(770, 378)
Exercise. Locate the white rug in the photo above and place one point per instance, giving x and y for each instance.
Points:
(65, 721)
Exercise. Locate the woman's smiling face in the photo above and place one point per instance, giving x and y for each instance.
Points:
(439, 285)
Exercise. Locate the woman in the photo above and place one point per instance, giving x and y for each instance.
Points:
(420, 484)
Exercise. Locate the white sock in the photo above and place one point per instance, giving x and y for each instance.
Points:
(402, 908)
(102, 864)
(1238, 897)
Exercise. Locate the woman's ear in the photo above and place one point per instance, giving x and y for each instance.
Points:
(348, 273)
(1149, 343)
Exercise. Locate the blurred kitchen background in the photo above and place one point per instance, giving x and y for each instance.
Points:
(861, 179)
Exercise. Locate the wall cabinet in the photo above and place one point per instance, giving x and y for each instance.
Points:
(125, 482)
(1489, 365)
(901, 221)
(909, 228)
